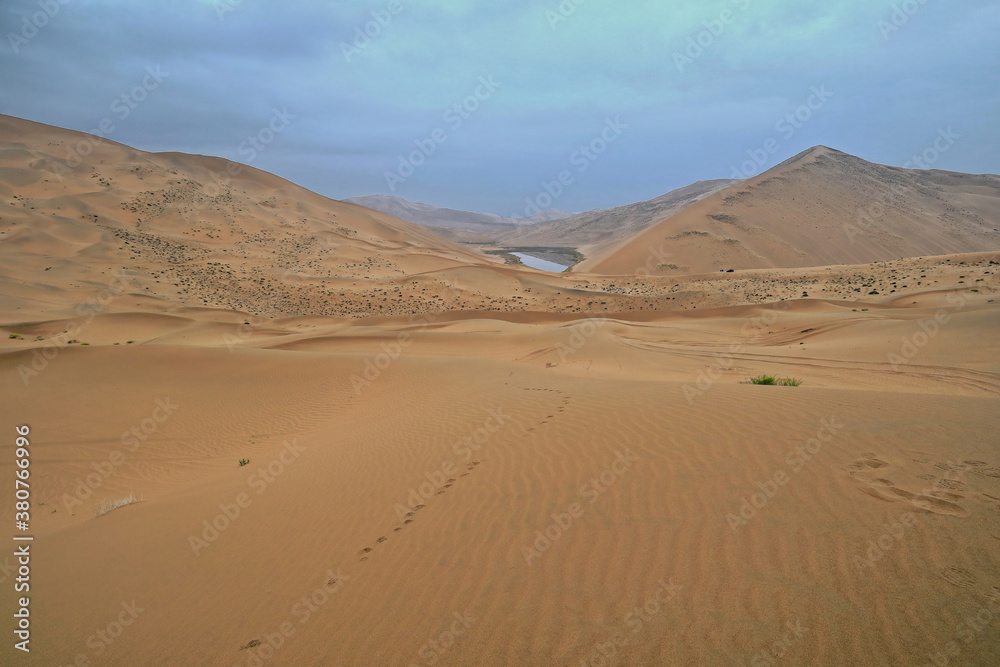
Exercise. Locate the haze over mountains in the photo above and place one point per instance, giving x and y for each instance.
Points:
(584, 231)
(447, 221)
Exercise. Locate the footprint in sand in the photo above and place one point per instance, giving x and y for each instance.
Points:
(939, 506)
(408, 516)
(883, 489)
(963, 467)
(868, 462)
(935, 500)
(943, 482)
(366, 550)
(957, 576)
(860, 469)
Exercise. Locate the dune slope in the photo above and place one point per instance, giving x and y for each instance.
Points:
(566, 488)
(818, 208)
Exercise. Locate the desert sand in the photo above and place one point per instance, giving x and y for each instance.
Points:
(457, 462)
(817, 208)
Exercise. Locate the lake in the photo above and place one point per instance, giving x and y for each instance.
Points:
(542, 264)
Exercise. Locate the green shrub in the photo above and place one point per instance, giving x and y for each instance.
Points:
(773, 381)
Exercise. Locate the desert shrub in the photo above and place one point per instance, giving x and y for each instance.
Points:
(773, 381)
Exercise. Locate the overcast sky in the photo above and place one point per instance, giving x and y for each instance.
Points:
(479, 104)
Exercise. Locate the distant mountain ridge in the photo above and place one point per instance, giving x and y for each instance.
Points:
(552, 228)
(427, 215)
(604, 226)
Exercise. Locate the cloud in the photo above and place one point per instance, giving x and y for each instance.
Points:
(367, 80)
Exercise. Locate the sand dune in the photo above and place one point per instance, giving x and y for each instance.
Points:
(595, 231)
(350, 442)
(423, 504)
(194, 229)
(820, 207)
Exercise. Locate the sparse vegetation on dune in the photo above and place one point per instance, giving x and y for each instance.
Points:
(774, 381)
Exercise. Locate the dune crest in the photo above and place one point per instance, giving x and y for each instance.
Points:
(820, 207)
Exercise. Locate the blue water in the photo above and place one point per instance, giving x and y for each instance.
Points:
(542, 264)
